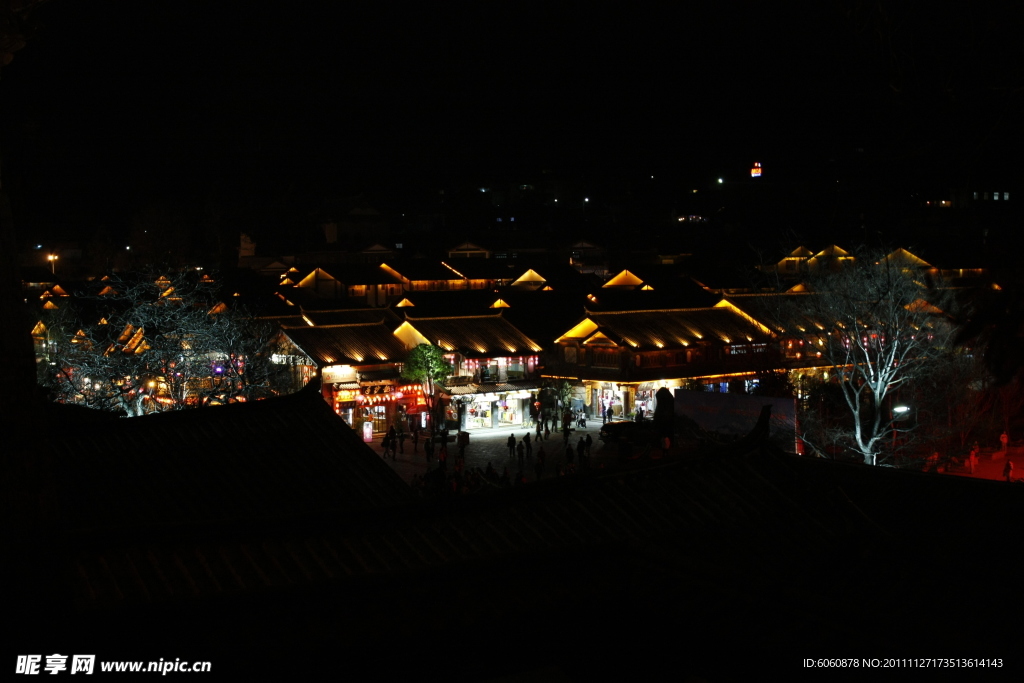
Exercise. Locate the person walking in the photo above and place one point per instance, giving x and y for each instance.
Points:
(581, 449)
(511, 443)
(540, 432)
(529, 445)
(1008, 470)
(973, 460)
(547, 431)
(521, 453)
(589, 442)
(566, 431)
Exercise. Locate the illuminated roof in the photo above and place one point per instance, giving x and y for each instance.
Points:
(479, 336)
(832, 251)
(355, 344)
(530, 276)
(903, 257)
(422, 270)
(658, 329)
(624, 279)
(349, 274)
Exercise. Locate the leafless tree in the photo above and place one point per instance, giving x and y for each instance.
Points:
(878, 326)
(152, 343)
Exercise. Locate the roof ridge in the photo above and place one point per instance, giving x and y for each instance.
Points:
(653, 310)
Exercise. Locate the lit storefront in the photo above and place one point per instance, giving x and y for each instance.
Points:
(373, 398)
(506, 406)
(645, 396)
(341, 391)
(385, 403)
(605, 395)
(345, 402)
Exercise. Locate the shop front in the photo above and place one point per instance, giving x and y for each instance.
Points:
(345, 401)
(411, 406)
(493, 410)
(480, 412)
(645, 396)
(341, 391)
(610, 396)
(386, 404)
(378, 404)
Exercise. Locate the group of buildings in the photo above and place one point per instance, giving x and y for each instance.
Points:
(521, 340)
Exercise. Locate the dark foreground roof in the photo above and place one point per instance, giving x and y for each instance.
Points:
(720, 566)
(276, 459)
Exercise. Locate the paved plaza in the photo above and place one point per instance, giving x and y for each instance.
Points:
(491, 446)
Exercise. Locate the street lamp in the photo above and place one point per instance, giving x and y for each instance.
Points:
(52, 258)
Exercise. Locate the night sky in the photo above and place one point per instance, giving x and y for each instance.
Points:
(115, 105)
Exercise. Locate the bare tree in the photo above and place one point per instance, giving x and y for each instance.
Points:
(870, 320)
(151, 343)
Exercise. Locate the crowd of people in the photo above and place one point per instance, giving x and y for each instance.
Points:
(450, 476)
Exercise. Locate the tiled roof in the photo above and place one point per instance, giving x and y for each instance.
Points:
(685, 294)
(767, 308)
(486, 268)
(423, 269)
(347, 316)
(480, 336)
(656, 329)
(776, 548)
(350, 274)
(355, 344)
(280, 458)
(437, 304)
(752, 498)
